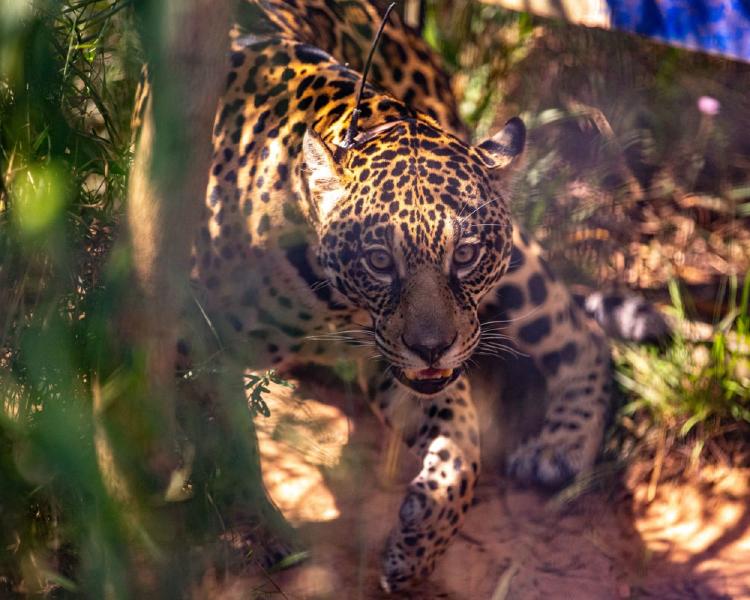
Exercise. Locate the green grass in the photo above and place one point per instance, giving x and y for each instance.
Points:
(692, 382)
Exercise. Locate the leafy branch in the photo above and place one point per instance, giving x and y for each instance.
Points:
(259, 385)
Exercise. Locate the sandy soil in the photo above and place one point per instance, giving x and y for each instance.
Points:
(338, 476)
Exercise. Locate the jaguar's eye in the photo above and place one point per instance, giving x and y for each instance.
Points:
(379, 260)
(465, 254)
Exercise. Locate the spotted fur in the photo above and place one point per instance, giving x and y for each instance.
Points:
(404, 237)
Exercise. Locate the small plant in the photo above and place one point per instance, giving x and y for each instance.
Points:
(692, 381)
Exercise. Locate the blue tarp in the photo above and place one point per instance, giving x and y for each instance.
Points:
(716, 26)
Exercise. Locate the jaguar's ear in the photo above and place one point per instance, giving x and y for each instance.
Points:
(324, 175)
(503, 149)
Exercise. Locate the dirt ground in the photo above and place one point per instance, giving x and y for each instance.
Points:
(338, 476)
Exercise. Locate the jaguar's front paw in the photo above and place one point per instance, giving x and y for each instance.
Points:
(406, 561)
(413, 545)
(547, 464)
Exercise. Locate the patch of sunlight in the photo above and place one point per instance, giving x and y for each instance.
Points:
(12, 397)
(689, 518)
(298, 441)
(317, 581)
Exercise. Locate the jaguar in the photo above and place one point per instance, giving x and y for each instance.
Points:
(320, 240)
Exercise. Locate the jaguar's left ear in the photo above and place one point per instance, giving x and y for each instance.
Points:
(323, 173)
(504, 148)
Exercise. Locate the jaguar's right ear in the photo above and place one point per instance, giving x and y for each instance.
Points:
(325, 177)
(503, 149)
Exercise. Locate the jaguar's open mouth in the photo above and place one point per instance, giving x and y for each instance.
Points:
(427, 381)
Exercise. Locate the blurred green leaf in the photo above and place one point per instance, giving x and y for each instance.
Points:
(40, 198)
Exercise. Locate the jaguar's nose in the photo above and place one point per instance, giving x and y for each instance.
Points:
(430, 350)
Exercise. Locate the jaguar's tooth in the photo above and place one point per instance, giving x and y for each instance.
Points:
(411, 373)
(422, 374)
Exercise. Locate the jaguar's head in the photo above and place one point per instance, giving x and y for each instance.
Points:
(414, 228)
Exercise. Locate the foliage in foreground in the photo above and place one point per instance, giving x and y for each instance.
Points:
(80, 512)
(63, 166)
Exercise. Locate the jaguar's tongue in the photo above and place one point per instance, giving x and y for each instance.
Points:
(427, 373)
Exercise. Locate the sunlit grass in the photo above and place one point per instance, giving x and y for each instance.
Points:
(692, 382)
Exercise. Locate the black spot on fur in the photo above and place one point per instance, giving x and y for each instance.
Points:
(446, 414)
(281, 108)
(310, 54)
(511, 297)
(535, 331)
(551, 362)
(304, 84)
(569, 352)
(419, 78)
(280, 59)
(537, 289)
(264, 225)
(612, 302)
(516, 260)
(321, 101)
